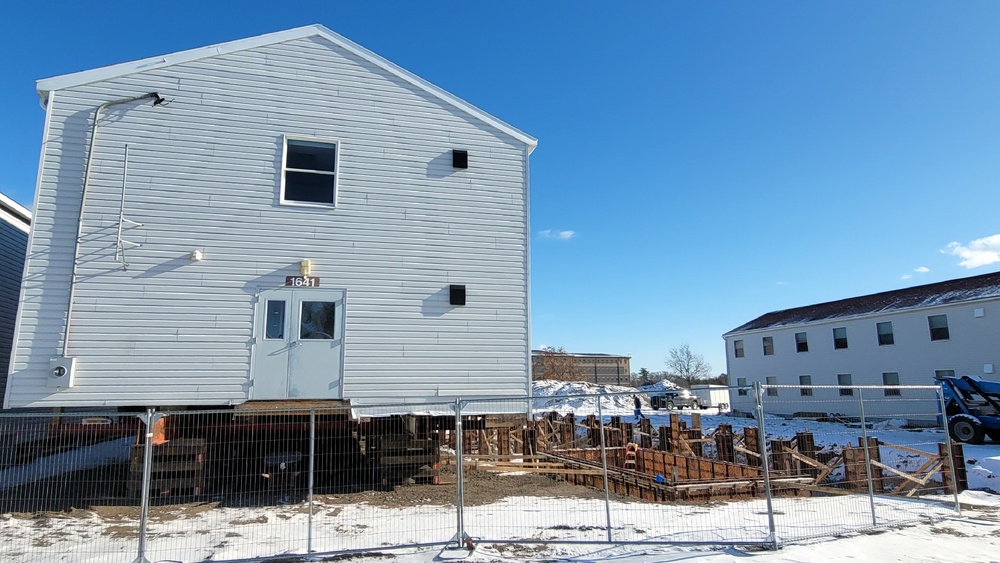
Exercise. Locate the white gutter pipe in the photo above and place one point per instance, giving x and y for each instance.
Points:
(157, 100)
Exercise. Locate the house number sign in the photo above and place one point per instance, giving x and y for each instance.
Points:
(301, 281)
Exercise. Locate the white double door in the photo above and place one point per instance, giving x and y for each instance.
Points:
(299, 344)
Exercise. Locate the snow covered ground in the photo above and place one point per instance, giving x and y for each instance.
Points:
(249, 532)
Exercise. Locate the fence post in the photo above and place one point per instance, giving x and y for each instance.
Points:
(948, 448)
(604, 463)
(758, 392)
(149, 418)
(460, 535)
(312, 476)
(868, 457)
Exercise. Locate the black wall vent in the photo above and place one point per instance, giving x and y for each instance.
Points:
(456, 294)
(460, 159)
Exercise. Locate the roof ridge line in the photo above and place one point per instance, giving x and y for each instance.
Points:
(79, 78)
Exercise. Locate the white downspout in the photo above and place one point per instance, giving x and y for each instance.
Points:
(157, 100)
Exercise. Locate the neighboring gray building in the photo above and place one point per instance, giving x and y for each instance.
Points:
(288, 216)
(14, 223)
(902, 337)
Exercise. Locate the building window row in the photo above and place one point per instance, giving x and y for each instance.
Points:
(844, 381)
(937, 324)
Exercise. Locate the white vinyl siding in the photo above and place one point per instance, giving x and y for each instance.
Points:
(204, 174)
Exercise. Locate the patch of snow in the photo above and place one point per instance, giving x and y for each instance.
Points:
(984, 475)
(658, 387)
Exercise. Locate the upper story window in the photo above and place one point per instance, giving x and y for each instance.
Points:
(309, 172)
(768, 345)
(884, 331)
(801, 343)
(839, 338)
(738, 348)
(939, 326)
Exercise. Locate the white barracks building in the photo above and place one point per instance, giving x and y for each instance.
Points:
(902, 337)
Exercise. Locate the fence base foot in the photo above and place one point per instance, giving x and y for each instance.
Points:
(461, 541)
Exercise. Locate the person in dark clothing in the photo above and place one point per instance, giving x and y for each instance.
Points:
(638, 407)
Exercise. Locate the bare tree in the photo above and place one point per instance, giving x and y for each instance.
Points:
(686, 366)
(555, 363)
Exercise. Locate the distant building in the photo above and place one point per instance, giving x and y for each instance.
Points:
(902, 337)
(14, 223)
(600, 369)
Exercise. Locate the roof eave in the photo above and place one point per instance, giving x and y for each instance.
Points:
(46, 85)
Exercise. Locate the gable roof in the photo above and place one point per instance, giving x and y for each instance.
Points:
(46, 85)
(941, 293)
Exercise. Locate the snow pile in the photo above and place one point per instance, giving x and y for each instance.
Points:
(581, 398)
(891, 424)
(658, 387)
(985, 475)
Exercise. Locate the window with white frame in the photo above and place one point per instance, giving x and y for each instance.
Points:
(738, 348)
(805, 381)
(890, 378)
(938, 325)
(741, 382)
(768, 345)
(844, 380)
(309, 174)
(885, 336)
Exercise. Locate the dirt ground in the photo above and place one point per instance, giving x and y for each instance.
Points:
(481, 487)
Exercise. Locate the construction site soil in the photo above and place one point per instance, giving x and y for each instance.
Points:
(481, 488)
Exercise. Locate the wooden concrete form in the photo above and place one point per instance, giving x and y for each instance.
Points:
(178, 467)
(674, 455)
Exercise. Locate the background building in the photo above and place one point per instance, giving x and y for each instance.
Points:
(600, 369)
(14, 223)
(902, 337)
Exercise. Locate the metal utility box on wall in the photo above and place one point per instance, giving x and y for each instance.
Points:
(62, 372)
(182, 321)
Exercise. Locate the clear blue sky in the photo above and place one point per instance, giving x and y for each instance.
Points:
(699, 163)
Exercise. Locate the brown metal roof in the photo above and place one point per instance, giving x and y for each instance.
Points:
(940, 293)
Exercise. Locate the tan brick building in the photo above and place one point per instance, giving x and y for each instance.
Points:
(601, 369)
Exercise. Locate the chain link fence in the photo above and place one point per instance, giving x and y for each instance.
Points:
(259, 481)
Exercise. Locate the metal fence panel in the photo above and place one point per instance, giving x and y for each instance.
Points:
(516, 488)
(61, 474)
(794, 462)
(854, 458)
